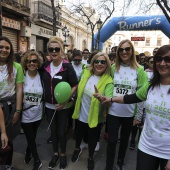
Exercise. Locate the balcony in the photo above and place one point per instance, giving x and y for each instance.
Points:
(15, 8)
(43, 13)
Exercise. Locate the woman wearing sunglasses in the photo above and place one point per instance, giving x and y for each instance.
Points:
(32, 104)
(154, 146)
(11, 85)
(77, 62)
(88, 111)
(149, 70)
(54, 72)
(127, 76)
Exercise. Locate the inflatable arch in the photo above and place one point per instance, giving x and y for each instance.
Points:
(156, 22)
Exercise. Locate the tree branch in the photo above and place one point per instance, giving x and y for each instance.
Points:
(163, 9)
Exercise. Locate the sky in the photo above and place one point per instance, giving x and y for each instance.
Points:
(137, 7)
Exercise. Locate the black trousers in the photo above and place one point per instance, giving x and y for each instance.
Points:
(149, 162)
(6, 157)
(134, 132)
(93, 135)
(30, 131)
(113, 125)
(58, 128)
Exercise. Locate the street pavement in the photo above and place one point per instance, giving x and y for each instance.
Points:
(45, 153)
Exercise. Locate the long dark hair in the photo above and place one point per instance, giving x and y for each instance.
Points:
(10, 58)
(155, 81)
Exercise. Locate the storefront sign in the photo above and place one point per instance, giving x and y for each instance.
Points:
(137, 38)
(40, 31)
(11, 23)
(43, 31)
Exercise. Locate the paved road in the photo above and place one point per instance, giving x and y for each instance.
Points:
(45, 152)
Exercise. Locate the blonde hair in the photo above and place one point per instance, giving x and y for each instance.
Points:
(91, 65)
(26, 55)
(57, 40)
(133, 62)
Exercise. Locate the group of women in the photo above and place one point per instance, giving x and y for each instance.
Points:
(30, 89)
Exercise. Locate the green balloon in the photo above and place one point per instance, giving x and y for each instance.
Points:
(62, 92)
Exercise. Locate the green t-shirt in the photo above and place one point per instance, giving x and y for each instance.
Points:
(7, 88)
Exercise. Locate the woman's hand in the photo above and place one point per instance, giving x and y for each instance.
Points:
(60, 106)
(106, 100)
(167, 165)
(4, 140)
(103, 99)
(97, 95)
(136, 122)
(15, 118)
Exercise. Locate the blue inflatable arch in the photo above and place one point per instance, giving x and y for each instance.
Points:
(156, 22)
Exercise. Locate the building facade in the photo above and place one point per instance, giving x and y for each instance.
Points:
(31, 28)
(15, 23)
(144, 41)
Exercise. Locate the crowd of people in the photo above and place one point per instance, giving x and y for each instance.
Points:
(120, 90)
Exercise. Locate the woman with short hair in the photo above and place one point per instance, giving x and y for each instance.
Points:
(88, 111)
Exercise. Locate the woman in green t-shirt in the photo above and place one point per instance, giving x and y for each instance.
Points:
(11, 85)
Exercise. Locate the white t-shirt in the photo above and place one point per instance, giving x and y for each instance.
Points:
(125, 82)
(84, 61)
(6, 88)
(149, 74)
(33, 92)
(78, 69)
(87, 96)
(55, 69)
(155, 137)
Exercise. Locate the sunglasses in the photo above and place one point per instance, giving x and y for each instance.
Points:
(32, 61)
(77, 60)
(103, 62)
(151, 62)
(56, 49)
(85, 53)
(159, 59)
(127, 49)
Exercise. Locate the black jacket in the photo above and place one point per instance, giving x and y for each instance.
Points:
(66, 74)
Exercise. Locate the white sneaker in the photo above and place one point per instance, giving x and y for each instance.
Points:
(97, 147)
(83, 145)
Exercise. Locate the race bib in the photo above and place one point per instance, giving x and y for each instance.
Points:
(120, 90)
(32, 98)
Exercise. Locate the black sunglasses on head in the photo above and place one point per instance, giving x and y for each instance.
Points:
(159, 59)
(127, 49)
(51, 49)
(31, 61)
(100, 61)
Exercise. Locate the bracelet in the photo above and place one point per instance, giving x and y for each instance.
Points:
(111, 100)
(18, 111)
